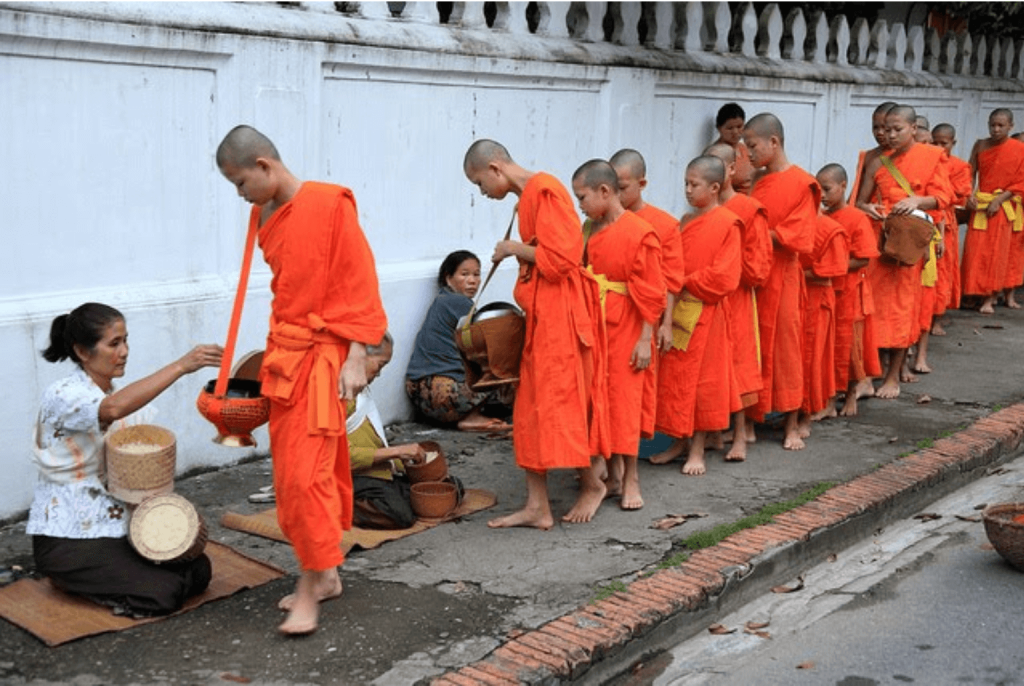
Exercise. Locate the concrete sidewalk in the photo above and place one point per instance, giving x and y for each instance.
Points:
(463, 604)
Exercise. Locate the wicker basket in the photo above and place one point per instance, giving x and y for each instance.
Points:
(236, 414)
(435, 470)
(167, 529)
(433, 499)
(1006, 535)
(133, 475)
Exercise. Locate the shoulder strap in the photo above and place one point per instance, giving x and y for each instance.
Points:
(494, 265)
(896, 174)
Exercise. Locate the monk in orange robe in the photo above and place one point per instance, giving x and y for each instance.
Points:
(961, 178)
(696, 387)
(624, 255)
(560, 416)
(992, 254)
(326, 309)
(729, 123)
(854, 304)
(791, 196)
(866, 156)
(741, 304)
(632, 172)
(830, 260)
(897, 289)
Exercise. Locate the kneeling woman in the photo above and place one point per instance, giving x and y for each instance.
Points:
(435, 379)
(79, 530)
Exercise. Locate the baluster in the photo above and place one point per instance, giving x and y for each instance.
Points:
(794, 36)
(817, 39)
(950, 48)
(374, 10)
(879, 44)
(552, 19)
(932, 52)
(425, 12)
(319, 6)
(769, 32)
(979, 66)
(1018, 61)
(628, 23)
(896, 55)
(744, 31)
(1009, 52)
(965, 54)
(860, 42)
(468, 15)
(512, 17)
(717, 21)
(915, 48)
(663, 28)
(689, 29)
(594, 32)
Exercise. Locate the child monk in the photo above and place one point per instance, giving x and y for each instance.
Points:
(624, 254)
(961, 178)
(756, 242)
(631, 169)
(897, 289)
(882, 144)
(696, 388)
(924, 134)
(830, 259)
(560, 411)
(856, 360)
(326, 309)
(993, 259)
(791, 196)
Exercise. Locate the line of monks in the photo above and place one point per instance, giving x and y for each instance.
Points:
(774, 301)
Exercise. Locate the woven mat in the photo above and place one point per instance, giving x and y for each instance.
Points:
(55, 617)
(265, 523)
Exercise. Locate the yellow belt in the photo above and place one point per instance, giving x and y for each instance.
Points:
(606, 285)
(1012, 208)
(930, 273)
(685, 315)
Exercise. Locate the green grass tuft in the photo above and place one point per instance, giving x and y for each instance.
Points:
(608, 590)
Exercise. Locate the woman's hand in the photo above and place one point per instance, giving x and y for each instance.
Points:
(352, 379)
(411, 453)
(206, 355)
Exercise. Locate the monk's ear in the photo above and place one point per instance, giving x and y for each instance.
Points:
(642, 183)
(716, 187)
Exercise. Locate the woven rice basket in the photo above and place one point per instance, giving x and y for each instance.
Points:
(134, 476)
(167, 529)
(433, 499)
(1006, 535)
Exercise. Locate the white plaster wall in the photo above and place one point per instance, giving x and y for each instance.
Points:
(110, 114)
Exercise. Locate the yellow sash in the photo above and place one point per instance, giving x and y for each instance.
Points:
(1012, 208)
(930, 273)
(685, 315)
(605, 285)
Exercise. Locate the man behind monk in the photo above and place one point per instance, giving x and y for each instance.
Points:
(326, 309)
(791, 196)
(897, 288)
(881, 145)
(560, 412)
(696, 386)
(624, 254)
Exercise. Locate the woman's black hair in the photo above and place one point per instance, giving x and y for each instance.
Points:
(83, 326)
(729, 110)
(451, 265)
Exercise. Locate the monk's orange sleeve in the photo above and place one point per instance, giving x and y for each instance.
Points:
(559, 241)
(722, 275)
(646, 284)
(757, 249)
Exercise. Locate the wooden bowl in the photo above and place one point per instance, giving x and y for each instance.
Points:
(433, 499)
(1006, 535)
(140, 462)
(435, 470)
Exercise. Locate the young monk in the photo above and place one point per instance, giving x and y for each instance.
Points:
(866, 156)
(830, 259)
(994, 247)
(560, 412)
(696, 388)
(996, 162)
(326, 309)
(631, 169)
(924, 134)
(961, 178)
(741, 306)
(896, 288)
(856, 360)
(791, 197)
(624, 254)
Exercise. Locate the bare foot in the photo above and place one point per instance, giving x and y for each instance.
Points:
(803, 427)
(613, 480)
(937, 329)
(849, 405)
(631, 498)
(304, 607)
(906, 376)
(1012, 304)
(827, 413)
(330, 589)
(484, 425)
(585, 507)
(525, 517)
(865, 389)
(738, 452)
(729, 437)
(793, 441)
(988, 307)
(888, 390)
(715, 441)
(921, 367)
(694, 466)
(672, 453)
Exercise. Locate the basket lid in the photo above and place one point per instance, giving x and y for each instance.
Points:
(163, 527)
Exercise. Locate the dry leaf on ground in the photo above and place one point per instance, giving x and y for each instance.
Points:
(927, 516)
(806, 665)
(673, 520)
(754, 626)
(790, 589)
(924, 399)
(719, 630)
(972, 518)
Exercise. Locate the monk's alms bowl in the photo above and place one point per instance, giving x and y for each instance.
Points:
(236, 413)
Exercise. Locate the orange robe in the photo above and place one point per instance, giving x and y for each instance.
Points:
(741, 304)
(830, 259)
(854, 304)
(325, 296)
(627, 252)
(743, 171)
(696, 388)
(897, 289)
(672, 269)
(947, 295)
(987, 266)
(791, 198)
(560, 414)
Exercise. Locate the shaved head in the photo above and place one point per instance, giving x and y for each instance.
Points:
(944, 130)
(596, 173)
(483, 152)
(834, 171)
(766, 125)
(630, 159)
(243, 146)
(885, 107)
(722, 151)
(711, 169)
(922, 122)
(1003, 111)
(904, 112)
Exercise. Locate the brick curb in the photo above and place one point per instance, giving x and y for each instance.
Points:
(669, 605)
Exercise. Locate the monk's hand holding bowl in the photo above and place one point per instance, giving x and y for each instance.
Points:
(906, 206)
(875, 211)
(352, 379)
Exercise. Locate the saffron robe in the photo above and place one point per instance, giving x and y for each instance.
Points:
(741, 304)
(791, 198)
(947, 294)
(897, 289)
(672, 269)
(560, 413)
(743, 170)
(830, 260)
(627, 252)
(991, 256)
(696, 388)
(854, 304)
(325, 296)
